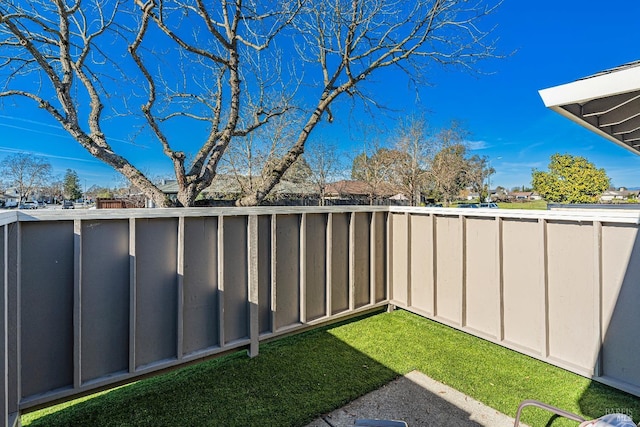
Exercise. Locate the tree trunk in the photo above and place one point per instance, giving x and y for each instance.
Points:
(187, 196)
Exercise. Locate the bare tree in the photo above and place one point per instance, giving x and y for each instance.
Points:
(448, 172)
(250, 159)
(376, 167)
(26, 173)
(53, 191)
(418, 148)
(246, 158)
(479, 171)
(217, 68)
(324, 164)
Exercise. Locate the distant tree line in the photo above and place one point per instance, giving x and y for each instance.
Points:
(31, 177)
(423, 163)
(415, 161)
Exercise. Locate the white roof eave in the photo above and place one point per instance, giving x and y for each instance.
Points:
(605, 103)
(599, 86)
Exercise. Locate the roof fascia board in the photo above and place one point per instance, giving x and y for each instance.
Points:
(580, 91)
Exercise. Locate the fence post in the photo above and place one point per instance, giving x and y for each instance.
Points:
(10, 411)
(4, 391)
(254, 315)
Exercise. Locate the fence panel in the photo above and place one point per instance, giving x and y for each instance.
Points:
(155, 291)
(361, 265)
(482, 280)
(201, 318)
(287, 271)
(104, 298)
(339, 262)
(620, 296)
(46, 295)
(379, 265)
(422, 263)
(235, 279)
(265, 308)
(99, 298)
(558, 286)
(315, 261)
(450, 268)
(572, 294)
(399, 261)
(523, 286)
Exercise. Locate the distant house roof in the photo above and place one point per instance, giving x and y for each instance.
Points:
(620, 194)
(521, 194)
(359, 188)
(607, 103)
(229, 184)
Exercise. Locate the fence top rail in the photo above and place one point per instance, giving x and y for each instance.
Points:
(8, 217)
(573, 215)
(148, 213)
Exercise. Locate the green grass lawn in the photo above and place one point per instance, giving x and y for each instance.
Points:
(295, 379)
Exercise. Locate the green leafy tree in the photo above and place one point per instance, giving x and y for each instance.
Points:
(71, 185)
(570, 179)
(451, 169)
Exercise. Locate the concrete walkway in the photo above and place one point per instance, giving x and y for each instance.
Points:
(419, 401)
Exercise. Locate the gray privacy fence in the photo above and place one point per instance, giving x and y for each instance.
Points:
(97, 298)
(563, 287)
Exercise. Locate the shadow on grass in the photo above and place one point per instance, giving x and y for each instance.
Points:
(599, 399)
(293, 381)
(296, 379)
(618, 353)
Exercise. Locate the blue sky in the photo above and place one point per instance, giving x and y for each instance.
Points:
(553, 42)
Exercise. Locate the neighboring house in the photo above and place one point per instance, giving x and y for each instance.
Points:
(498, 194)
(621, 194)
(524, 196)
(11, 198)
(520, 195)
(493, 194)
(226, 189)
(350, 192)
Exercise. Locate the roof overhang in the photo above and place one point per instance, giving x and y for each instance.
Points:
(607, 103)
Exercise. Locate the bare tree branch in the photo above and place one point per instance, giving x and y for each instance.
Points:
(351, 40)
(233, 68)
